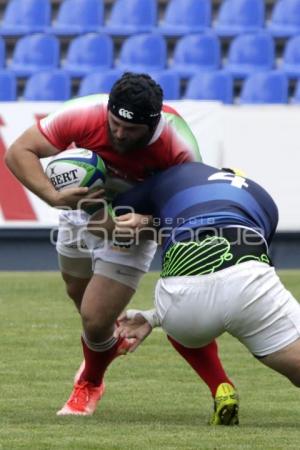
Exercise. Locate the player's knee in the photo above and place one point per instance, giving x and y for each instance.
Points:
(75, 289)
(92, 321)
(97, 320)
(96, 328)
(74, 292)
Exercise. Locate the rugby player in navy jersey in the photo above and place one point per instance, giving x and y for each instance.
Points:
(215, 228)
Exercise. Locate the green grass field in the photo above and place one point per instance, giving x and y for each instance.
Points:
(153, 399)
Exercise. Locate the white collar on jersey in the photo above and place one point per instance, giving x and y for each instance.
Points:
(158, 130)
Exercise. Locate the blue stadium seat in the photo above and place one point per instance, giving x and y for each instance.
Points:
(8, 86)
(2, 52)
(216, 85)
(132, 16)
(87, 53)
(240, 16)
(101, 82)
(265, 87)
(143, 53)
(291, 58)
(48, 86)
(186, 16)
(98, 82)
(196, 52)
(296, 97)
(79, 16)
(33, 53)
(285, 18)
(25, 16)
(169, 80)
(250, 53)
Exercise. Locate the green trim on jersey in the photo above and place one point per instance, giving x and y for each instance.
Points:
(262, 258)
(111, 211)
(196, 258)
(88, 100)
(204, 257)
(79, 102)
(185, 132)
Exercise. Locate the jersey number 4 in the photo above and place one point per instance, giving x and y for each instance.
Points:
(235, 180)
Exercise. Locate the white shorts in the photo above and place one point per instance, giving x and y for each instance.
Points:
(87, 251)
(247, 300)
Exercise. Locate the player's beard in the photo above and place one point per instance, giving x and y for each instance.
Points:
(128, 145)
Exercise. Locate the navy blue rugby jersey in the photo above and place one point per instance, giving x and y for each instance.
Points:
(197, 196)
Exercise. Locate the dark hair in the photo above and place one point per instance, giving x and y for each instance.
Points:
(138, 93)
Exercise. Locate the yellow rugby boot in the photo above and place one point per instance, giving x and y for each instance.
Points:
(226, 407)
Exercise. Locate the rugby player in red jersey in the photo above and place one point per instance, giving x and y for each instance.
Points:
(136, 136)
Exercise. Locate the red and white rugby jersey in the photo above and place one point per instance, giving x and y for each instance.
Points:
(84, 122)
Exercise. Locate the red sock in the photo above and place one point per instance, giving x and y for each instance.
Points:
(205, 361)
(97, 362)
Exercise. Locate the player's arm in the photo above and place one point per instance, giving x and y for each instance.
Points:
(101, 223)
(138, 226)
(120, 219)
(121, 229)
(23, 159)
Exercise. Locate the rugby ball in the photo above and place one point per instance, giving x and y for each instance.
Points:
(77, 167)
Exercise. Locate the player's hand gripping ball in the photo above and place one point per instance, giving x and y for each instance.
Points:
(77, 167)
